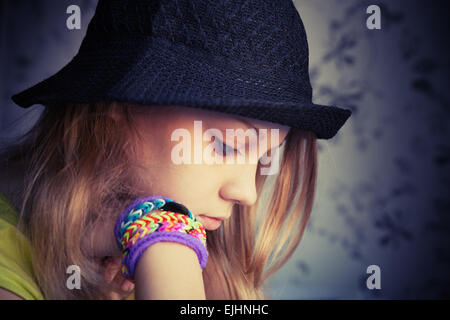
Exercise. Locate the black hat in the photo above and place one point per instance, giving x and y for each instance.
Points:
(243, 57)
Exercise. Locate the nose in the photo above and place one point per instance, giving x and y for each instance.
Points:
(241, 188)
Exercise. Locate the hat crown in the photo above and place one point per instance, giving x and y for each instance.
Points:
(263, 37)
(241, 57)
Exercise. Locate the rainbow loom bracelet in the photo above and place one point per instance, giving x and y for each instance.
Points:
(154, 219)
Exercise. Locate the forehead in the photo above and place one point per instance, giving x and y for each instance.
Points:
(228, 118)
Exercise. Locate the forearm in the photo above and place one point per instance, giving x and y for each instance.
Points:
(169, 270)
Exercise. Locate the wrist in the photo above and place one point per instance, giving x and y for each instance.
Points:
(187, 241)
(168, 270)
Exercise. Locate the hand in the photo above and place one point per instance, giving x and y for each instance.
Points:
(110, 270)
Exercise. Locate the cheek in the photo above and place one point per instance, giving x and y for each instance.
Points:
(186, 182)
(191, 185)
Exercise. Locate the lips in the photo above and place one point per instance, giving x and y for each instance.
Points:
(210, 223)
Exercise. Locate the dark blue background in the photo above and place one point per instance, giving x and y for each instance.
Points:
(383, 188)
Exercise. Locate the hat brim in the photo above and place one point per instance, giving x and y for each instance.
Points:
(156, 72)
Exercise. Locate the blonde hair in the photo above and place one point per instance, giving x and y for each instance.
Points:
(78, 159)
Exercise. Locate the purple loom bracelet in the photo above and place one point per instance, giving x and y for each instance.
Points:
(165, 236)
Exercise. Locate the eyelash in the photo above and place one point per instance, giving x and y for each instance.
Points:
(224, 147)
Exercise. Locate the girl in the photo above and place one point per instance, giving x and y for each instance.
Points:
(146, 71)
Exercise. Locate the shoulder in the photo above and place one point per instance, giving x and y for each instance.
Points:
(16, 271)
(8, 295)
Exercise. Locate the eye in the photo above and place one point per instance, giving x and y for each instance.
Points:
(223, 149)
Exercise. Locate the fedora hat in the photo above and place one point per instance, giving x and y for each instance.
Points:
(241, 57)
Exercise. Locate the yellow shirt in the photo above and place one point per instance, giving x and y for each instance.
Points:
(16, 272)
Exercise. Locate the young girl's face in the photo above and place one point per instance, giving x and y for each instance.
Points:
(207, 189)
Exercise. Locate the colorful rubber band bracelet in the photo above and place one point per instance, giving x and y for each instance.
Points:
(147, 221)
